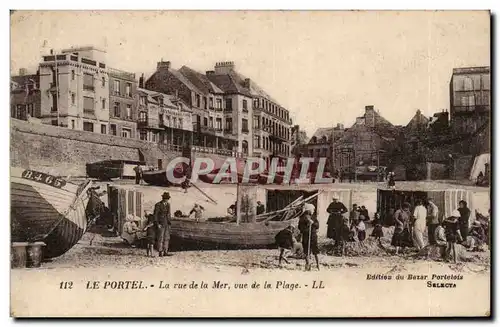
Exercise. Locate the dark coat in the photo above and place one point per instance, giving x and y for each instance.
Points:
(162, 213)
(336, 210)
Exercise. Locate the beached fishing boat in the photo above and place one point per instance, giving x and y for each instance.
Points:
(208, 234)
(49, 209)
(156, 177)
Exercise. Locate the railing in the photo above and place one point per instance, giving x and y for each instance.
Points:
(74, 58)
(121, 74)
(89, 62)
(88, 87)
(245, 130)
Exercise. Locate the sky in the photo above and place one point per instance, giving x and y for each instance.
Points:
(323, 66)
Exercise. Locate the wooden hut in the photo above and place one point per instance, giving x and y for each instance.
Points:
(121, 202)
(388, 201)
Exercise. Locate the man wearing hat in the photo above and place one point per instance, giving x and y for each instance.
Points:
(336, 209)
(162, 219)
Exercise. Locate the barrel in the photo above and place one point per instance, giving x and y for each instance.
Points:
(35, 254)
(18, 255)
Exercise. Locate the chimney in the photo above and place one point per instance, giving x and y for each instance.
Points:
(209, 72)
(141, 81)
(418, 111)
(246, 83)
(224, 67)
(23, 71)
(369, 108)
(163, 65)
(51, 51)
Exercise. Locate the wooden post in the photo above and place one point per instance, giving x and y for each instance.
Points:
(238, 204)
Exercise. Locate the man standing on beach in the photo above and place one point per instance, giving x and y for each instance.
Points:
(336, 209)
(138, 174)
(162, 219)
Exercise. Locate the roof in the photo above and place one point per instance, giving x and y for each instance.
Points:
(200, 81)
(168, 99)
(229, 83)
(417, 121)
(177, 75)
(323, 131)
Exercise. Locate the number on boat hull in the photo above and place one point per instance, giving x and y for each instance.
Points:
(43, 178)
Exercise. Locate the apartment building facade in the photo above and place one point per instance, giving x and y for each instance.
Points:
(209, 129)
(260, 123)
(74, 89)
(123, 112)
(163, 119)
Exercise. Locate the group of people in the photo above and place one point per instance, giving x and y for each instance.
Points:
(442, 232)
(408, 232)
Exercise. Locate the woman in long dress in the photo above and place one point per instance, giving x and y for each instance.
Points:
(402, 237)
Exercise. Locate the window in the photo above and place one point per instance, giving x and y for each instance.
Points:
(256, 103)
(211, 102)
(205, 102)
(88, 126)
(160, 119)
(198, 101)
(129, 111)
(103, 81)
(244, 125)
(205, 121)
(218, 103)
(154, 137)
(73, 75)
(229, 124)
(103, 103)
(112, 129)
(88, 104)
(72, 124)
(167, 121)
(88, 82)
(174, 122)
(143, 117)
(180, 122)
(245, 105)
(116, 109)
(126, 132)
(256, 122)
(256, 141)
(116, 87)
(142, 100)
(128, 90)
(229, 104)
(468, 84)
(218, 124)
(211, 122)
(73, 98)
(103, 129)
(143, 135)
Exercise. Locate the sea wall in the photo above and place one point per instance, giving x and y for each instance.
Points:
(64, 152)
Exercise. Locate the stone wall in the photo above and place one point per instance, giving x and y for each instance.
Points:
(64, 152)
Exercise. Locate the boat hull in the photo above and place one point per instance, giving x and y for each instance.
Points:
(187, 234)
(46, 208)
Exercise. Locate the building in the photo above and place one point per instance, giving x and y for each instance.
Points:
(123, 113)
(74, 87)
(470, 108)
(25, 98)
(204, 99)
(267, 122)
(230, 111)
(163, 119)
(321, 144)
(366, 143)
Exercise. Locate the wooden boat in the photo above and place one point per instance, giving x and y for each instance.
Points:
(109, 169)
(186, 234)
(159, 177)
(49, 209)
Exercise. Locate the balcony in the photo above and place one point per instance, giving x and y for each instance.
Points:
(89, 62)
(88, 87)
(207, 130)
(245, 130)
